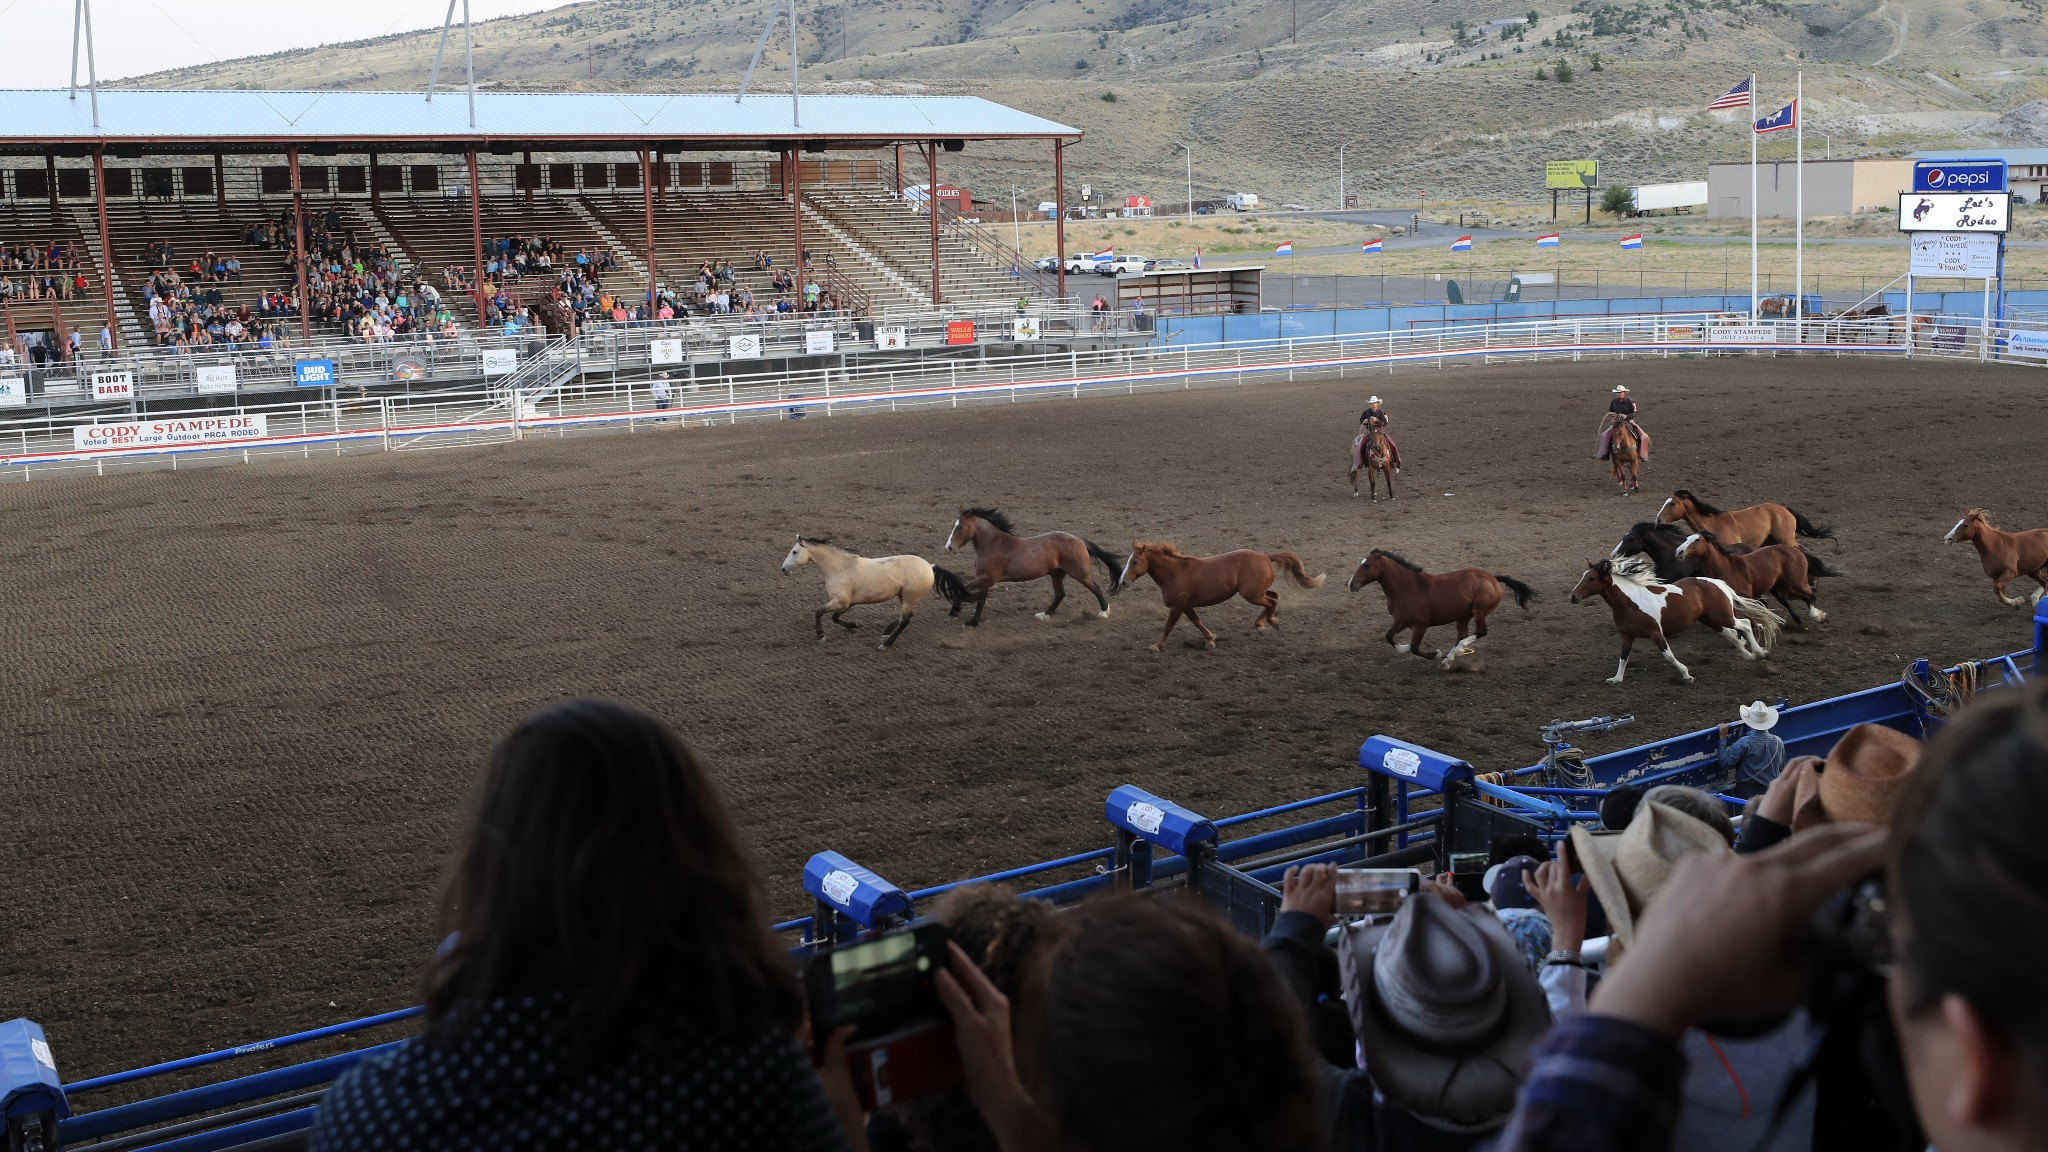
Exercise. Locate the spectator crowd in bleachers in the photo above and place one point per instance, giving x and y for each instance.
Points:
(32, 272)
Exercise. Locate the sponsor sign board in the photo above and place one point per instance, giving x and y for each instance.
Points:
(1959, 176)
(1742, 334)
(2033, 344)
(664, 351)
(187, 431)
(215, 378)
(1024, 328)
(113, 385)
(959, 331)
(500, 361)
(1973, 255)
(1571, 174)
(744, 347)
(819, 343)
(1681, 332)
(892, 338)
(13, 391)
(408, 368)
(1955, 211)
(314, 373)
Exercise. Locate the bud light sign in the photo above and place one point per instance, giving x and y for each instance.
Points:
(1959, 176)
(313, 373)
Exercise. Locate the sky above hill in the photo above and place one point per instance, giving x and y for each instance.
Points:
(134, 37)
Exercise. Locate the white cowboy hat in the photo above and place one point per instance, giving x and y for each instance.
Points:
(1372, 400)
(1621, 387)
(1760, 716)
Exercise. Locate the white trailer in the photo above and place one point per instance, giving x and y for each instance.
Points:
(1243, 201)
(1648, 198)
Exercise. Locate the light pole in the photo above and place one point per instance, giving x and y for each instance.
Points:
(1340, 173)
(1016, 233)
(1191, 179)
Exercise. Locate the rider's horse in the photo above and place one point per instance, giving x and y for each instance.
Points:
(2006, 555)
(1624, 453)
(1647, 609)
(852, 580)
(1001, 556)
(1190, 582)
(1371, 454)
(1420, 600)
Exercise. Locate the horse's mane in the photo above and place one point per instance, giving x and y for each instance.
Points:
(1397, 558)
(1163, 547)
(993, 516)
(1705, 508)
(1634, 569)
(1713, 542)
(814, 541)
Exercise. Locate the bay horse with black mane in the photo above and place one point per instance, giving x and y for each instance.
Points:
(1190, 582)
(1625, 454)
(1371, 455)
(1645, 609)
(1002, 557)
(1756, 525)
(1785, 571)
(1420, 600)
(2005, 555)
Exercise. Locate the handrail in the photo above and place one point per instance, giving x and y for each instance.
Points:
(189, 1062)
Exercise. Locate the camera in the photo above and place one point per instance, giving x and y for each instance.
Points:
(1373, 890)
(886, 986)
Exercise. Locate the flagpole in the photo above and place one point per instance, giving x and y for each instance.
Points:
(1799, 193)
(1752, 198)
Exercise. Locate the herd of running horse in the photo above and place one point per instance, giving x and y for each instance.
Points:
(1693, 565)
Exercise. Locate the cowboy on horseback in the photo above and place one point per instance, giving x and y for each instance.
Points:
(1621, 411)
(1373, 419)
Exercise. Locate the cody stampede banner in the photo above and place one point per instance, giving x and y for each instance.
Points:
(181, 433)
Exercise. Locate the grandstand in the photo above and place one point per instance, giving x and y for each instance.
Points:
(662, 183)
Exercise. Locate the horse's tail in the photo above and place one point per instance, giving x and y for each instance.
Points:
(1523, 593)
(1809, 528)
(952, 587)
(1764, 621)
(1112, 561)
(1289, 563)
(1817, 567)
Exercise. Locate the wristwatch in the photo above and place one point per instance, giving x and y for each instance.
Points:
(1565, 958)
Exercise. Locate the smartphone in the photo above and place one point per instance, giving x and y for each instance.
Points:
(1370, 890)
(902, 1045)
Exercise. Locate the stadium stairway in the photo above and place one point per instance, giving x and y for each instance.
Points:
(625, 251)
(902, 239)
(194, 228)
(435, 234)
(879, 267)
(132, 332)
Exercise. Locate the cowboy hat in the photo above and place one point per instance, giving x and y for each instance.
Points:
(1760, 716)
(1860, 780)
(1445, 1009)
(1372, 400)
(1621, 387)
(1627, 868)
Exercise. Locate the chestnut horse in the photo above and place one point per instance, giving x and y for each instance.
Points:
(1756, 526)
(852, 580)
(1624, 454)
(2006, 555)
(1645, 609)
(1370, 454)
(1190, 582)
(1420, 600)
(1786, 571)
(1001, 556)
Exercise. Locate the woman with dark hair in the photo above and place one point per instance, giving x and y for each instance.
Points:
(608, 979)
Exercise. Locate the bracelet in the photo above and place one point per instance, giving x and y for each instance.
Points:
(1564, 958)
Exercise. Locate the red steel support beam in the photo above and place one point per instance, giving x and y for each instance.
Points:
(99, 195)
(299, 245)
(796, 221)
(476, 238)
(931, 206)
(647, 210)
(1059, 214)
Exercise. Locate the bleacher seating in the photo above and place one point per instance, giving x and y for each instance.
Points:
(691, 227)
(33, 223)
(903, 238)
(435, 234)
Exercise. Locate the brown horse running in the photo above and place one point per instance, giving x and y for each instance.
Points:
(1625, 455)
(1370, 454)
(1786, 571)
(1190, 582)
(1646, 609)
(1420, 600)
(1756, 526)
(1001, 556)
(2006, 555)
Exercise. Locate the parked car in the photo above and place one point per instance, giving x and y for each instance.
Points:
(1121, 264)
(1168, 266)
(1046, 263)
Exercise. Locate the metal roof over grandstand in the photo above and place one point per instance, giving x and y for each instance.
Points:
(35, 119)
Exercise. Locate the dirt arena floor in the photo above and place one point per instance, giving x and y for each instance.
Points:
(244, 704)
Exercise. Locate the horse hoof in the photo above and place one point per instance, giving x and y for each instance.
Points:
(1041, 616)
(1102, 615)
(1819, 616)
(1159, 647)
(1614, 679)
(1685, 679)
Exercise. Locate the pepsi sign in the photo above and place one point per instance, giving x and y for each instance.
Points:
(313, 373)
(1959, 176)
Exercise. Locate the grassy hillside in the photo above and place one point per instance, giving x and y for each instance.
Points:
(1442, 95)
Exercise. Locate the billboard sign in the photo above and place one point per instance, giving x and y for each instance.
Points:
(743, 347)
(113, 385)
(891, 338)
(2028, 343)
(215, 378)
(1571, 174)
(819, 343)
(500, 361)
(1967, 255)
(313, 373)
(187, 432)
(1024, 328)
(1742, 334)
(13, 391)
(959, 331)
(1959, 176)
(1955, 211)
(664, 351)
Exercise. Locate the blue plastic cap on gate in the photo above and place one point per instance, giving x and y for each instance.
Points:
(1411, 762)
(1162, 822)
(853, 889)
(28, 1074)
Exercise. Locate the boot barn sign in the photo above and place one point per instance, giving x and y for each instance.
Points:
(189, 432)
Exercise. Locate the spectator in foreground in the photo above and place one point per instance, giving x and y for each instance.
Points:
(608, 980)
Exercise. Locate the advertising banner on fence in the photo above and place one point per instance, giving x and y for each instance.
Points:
(313, 373)
(190, 431)
(1972, 255)
(1024, 328)
(215, 378)
(664, 351)
(2033, 344)
(959, 331)
(500, 361)
(744, 347)
(113, 385)
(13, 391)
(1742, 334)
(819, 343)
(887, 338)
(406, 367)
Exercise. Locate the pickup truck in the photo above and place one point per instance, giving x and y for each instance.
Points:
(1121, 264)
(1079, 262)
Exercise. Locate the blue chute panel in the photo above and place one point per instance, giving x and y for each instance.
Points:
(1411, 762)
(1157, 820)
(29, 1084)
(858, 893)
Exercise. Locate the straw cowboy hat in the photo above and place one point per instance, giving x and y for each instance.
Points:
(1621, 387)
(1760, 716)
(1446, 1010)
(1860, 780)
(1372, 400)
(1628, 868)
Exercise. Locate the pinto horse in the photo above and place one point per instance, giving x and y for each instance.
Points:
(1645, 609)
(1370, 454)
(1756, 526)
(852, 580)
(1190, 582)
(1001, 556)
(1419, 600)
(1624, 454)
(2006, 555)
(1786, 571)
(1659, 543)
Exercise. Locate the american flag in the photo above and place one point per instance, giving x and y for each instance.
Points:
(1783, 118)
(1737, 97)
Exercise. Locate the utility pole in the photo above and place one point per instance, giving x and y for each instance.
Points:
(1191, 180)
(1340, 173)
(1293, 21)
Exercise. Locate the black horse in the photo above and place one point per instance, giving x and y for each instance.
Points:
(1660, 543)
